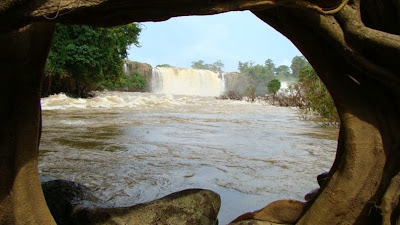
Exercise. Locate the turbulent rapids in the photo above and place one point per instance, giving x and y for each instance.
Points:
(135, 147)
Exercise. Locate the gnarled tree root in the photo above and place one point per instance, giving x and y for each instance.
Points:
(390, 200)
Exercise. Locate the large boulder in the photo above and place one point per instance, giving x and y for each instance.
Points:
(72, 203)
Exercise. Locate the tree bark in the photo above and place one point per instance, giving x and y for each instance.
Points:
(365, 91)
(22, 58)
(355, 51)
(17, 13)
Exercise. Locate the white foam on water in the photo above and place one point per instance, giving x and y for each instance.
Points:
(136, 147)
(193, 82)
(116, 100)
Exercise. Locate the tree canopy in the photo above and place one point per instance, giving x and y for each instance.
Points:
(90, 55)
(297, 63)
(164, 65)
(315, 95)
(274, 86)
(216, 66)
(283, 72)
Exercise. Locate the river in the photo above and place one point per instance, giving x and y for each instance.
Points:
(136, 147)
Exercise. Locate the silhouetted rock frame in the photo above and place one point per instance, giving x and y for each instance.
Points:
(354, 46)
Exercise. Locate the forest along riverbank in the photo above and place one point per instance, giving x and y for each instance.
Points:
(136, 147)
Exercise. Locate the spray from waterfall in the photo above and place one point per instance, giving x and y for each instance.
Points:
(186, 82)
(156, 84)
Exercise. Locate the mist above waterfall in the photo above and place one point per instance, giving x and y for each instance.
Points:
(177, 81)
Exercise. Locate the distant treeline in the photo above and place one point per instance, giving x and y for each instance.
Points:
(254, 79)
(305, 90)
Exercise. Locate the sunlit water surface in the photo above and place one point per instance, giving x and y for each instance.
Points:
(136, 147)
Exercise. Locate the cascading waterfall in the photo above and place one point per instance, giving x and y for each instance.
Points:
(156, 84)
(186, 82)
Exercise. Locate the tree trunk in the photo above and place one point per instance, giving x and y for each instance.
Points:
(22, 58)
(355, 51)
(363, 82)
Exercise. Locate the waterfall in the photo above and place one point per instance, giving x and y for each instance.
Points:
(186, 82)
(156, 84)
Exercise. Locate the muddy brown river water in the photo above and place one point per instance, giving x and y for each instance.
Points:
(136, 147)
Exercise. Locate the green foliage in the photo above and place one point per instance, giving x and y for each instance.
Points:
(269, 65)
(164, 65)
(215, 67)
(316, 97)
(128, 82)
(274, 86)
(297, 63)
(251, 92)
(305, 91)
(136, 82)
(283, 73)
(258, 75)
(90, 55)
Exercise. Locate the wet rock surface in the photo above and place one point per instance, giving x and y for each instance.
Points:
(73, 203)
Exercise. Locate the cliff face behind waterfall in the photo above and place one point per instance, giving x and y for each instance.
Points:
(143, 69)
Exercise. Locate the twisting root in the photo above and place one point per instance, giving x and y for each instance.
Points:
(61, 14)
(260, 5)
(305, 4)
(332, 10)
(58, 12)
(390, 200)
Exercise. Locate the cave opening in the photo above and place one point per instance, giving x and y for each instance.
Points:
(352, 45)
(132, 148)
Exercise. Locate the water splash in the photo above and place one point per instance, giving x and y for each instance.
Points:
(114, 100)
(192, 82)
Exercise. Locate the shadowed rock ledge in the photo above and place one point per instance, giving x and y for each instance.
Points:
(72, 203)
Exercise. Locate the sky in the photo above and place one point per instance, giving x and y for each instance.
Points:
(229, 37)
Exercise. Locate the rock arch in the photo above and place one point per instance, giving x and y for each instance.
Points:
(354, 46)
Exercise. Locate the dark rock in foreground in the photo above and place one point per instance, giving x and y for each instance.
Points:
(321, 178)
(72, 203)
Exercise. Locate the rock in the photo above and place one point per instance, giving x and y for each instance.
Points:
(310, 195)
(321, 178)
(72, 203)
(278, 212)
(142, 68)
(64, 197)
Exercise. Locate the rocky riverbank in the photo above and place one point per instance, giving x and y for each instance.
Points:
(73, 203)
